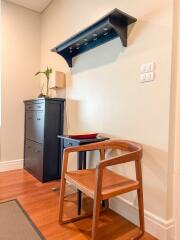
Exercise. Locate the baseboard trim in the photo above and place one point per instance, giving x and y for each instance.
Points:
(11, 165)
(158, 227)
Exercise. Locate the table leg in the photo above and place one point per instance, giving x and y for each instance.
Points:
(81, 164)
(84, 160)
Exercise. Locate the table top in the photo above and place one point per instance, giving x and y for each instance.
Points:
(84, 141)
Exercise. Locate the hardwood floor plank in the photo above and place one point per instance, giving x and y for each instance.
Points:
(41, 203)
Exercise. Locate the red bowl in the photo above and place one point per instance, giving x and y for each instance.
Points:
(84, 136)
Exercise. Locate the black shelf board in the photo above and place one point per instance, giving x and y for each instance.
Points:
(113, 25)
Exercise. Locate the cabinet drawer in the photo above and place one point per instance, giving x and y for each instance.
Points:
(35, 125)
(33, 158)
(35, 106)
(69, 143)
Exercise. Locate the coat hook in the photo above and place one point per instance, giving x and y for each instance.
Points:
(106, 33)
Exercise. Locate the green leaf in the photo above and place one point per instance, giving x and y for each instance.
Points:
(38, 73)
(47, 72)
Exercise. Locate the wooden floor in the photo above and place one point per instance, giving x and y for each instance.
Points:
(42, 205)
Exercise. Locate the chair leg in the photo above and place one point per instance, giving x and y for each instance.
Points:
(96, 212)
(141, 210)
(61, 203)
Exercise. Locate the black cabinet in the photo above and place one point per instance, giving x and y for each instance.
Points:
(44, 120)
(35, 125)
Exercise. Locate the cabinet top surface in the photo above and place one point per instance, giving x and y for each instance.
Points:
(38, 100)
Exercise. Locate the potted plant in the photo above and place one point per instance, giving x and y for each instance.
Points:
(47, 74)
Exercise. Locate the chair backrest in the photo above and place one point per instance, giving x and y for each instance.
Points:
(133, 153)
(123, 145)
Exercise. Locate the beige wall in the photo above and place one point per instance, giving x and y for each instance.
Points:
(177, 77)
(176, 69)
(20, 60)
(104, 93)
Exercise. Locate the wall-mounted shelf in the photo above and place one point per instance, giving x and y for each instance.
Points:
(115, 24)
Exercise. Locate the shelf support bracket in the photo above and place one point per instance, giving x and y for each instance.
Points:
(121, 31)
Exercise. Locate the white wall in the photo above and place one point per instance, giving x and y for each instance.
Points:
(104, 93)
(20, 60)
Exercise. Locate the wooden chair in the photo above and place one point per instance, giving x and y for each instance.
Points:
(101, 183)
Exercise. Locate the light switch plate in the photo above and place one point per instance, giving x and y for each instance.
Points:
(147, 77)
(147, 67)
(147, 72)
(151, 67)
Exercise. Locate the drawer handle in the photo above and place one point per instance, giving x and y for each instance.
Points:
(29, 107)
(38, 119)
(37, 151)
(38, 106)
(69, 144)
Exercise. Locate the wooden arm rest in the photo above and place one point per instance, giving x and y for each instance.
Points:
(86, 147)
(128, 157)
(112, 144)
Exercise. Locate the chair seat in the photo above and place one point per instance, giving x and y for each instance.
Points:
(112, 183)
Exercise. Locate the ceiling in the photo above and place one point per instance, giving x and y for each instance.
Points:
(36, 5)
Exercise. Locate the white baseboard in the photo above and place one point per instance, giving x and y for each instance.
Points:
(158, 227)
(11, 165)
